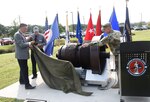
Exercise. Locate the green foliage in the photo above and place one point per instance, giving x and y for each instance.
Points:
(3, 29)
(59, 42)
(72, 27)
(75, 25)
(61, 28)
(9, 31)
(13, 29)
(11, 48)
(7, 49)
(74, 40)
(30, 28)
(139, 24)
(148, 24)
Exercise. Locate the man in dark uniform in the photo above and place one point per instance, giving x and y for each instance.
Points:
(40, 41)
(22, 54)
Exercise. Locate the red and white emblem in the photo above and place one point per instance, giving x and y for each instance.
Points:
(136, 67)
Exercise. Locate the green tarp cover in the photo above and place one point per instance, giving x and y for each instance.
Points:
(58, 74)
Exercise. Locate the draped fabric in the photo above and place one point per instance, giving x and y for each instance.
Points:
(58, 74)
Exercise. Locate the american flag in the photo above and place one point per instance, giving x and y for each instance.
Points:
(51, 35)
(47, 34)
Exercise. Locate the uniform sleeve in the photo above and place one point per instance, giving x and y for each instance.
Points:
(19, 41)
(104, 41)
(110, 38)
(116, 36)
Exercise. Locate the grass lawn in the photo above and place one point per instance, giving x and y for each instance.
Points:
(9, 70)
(6, 47)
(141, 35)
(9, 73)
(10, 100)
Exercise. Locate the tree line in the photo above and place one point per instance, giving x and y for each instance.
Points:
(9, 31)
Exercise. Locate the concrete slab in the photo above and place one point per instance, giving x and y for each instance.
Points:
(43, 92)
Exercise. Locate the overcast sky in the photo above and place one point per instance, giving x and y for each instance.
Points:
(34, 11)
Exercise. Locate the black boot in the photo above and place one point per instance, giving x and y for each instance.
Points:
(34, 76)
(29, 87)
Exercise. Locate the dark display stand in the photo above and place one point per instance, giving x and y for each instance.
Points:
(135, 69)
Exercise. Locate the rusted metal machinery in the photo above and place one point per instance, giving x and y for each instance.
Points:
(90, 57)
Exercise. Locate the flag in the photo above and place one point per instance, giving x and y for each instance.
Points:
(67, 31)
(50, 36)
(46, 24)
(90, 30)
(127, 28)
(113, 20)
(79, 30)
(99, 26)
(47, 33)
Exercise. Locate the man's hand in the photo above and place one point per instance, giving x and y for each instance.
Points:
(29, 38)
(94, 43)
(85, 44)
(91, 44)
(32, 42)
(39, 46)
(30, 46)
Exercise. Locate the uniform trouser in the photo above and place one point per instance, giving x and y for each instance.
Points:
(23, 71)
(117, 68)
(117, 62)
(34, 71)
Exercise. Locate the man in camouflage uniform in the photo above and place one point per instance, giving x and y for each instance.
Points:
(112, 40)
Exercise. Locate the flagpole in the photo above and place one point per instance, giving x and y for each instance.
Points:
(72, 23)
(113, 4)
(67, 29)
(127, 3)
(90, 11)
(84, 27)
(19, 19)
(46, 13)
(99, 9)
(124, 35)
(127, 36)
(58, 27)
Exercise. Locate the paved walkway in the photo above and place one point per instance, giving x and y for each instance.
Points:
(43, 92)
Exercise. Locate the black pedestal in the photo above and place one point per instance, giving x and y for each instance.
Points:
(135, 69)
